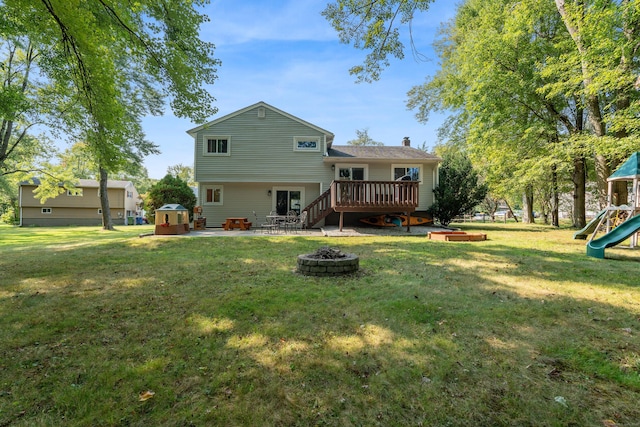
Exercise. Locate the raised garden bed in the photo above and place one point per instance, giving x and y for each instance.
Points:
(457, 236)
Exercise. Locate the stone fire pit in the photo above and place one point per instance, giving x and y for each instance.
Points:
(328, 262)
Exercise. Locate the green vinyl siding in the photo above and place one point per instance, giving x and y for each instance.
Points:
(241, 199)
(260, 149)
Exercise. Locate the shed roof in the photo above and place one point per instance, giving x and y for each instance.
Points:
(172, 207)
(630, 169)
(381, 152)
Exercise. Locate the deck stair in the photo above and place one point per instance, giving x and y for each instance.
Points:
(364, 196)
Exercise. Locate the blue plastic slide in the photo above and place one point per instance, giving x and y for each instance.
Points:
(595, 248)
(589, 228)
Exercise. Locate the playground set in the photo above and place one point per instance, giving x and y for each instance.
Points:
(619, 221)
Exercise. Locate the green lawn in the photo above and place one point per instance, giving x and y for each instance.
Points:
(523, 329)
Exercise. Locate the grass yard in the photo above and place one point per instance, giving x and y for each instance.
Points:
(520, 330)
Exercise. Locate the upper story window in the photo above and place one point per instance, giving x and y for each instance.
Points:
(306, 143)
(216, 145)
(411, 171)
(46, 210)
(129, 194)
(74, 192)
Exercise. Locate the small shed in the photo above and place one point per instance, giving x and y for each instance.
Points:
(172, 219)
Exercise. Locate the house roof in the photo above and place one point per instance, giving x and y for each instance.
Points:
(630, 169)
(263, 104)
(371, 152)
(85, 183)
(172, 207)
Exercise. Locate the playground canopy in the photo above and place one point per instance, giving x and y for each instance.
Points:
(627, 171)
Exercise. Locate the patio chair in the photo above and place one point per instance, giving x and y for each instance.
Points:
(290, 220)
(301, 222)
(266, 227)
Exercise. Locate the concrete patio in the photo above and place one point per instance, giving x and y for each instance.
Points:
(329, 231)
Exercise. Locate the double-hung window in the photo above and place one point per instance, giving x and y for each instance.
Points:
(217, 145)
(213, 195)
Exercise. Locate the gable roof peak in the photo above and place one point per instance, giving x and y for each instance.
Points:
(261, 104)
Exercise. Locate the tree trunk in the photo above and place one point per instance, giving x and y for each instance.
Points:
(579, 192)
(592, 101)
(107, 224)
(527, 212)
(555, 198)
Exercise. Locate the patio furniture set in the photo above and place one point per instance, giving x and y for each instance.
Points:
(275, 223)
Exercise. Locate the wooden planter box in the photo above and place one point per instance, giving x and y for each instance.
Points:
(457, 236)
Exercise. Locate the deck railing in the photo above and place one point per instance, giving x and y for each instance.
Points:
(319, 208)
(364, 196)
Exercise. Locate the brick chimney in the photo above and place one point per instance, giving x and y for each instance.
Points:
(406, 142)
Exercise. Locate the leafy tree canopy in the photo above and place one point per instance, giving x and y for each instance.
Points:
(170, 189)
(111, 63)
(458, 190)
(183, 172)
(373, 27)
(363, 138)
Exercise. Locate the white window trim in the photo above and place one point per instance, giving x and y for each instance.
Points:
(46, 211)
(405, 166)
(298, 139)
(99, 211)
(213, 188)
(75, 192)
(339, 166)
(205, 144)
(274, 199)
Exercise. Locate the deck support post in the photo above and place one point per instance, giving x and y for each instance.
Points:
(408, 221)
(341, 218)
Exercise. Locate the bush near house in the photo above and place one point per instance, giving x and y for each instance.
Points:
(170, 190)
(458, 190)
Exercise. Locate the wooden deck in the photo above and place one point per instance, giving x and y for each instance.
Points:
(364, 196)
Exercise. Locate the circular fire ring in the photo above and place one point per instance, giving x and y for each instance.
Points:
(328, 262)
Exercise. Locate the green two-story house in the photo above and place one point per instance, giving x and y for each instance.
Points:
(265, 160)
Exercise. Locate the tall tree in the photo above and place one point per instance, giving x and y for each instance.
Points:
(26, 101)
(606, 41)
(363, 138)
(183, 172)
(119, 62)
(522, 77)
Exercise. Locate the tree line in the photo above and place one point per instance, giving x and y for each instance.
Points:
(543, 96)
(88, 72)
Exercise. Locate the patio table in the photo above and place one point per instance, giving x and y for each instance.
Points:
(237, 222)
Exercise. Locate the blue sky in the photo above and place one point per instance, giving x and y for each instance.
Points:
(286, 54)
